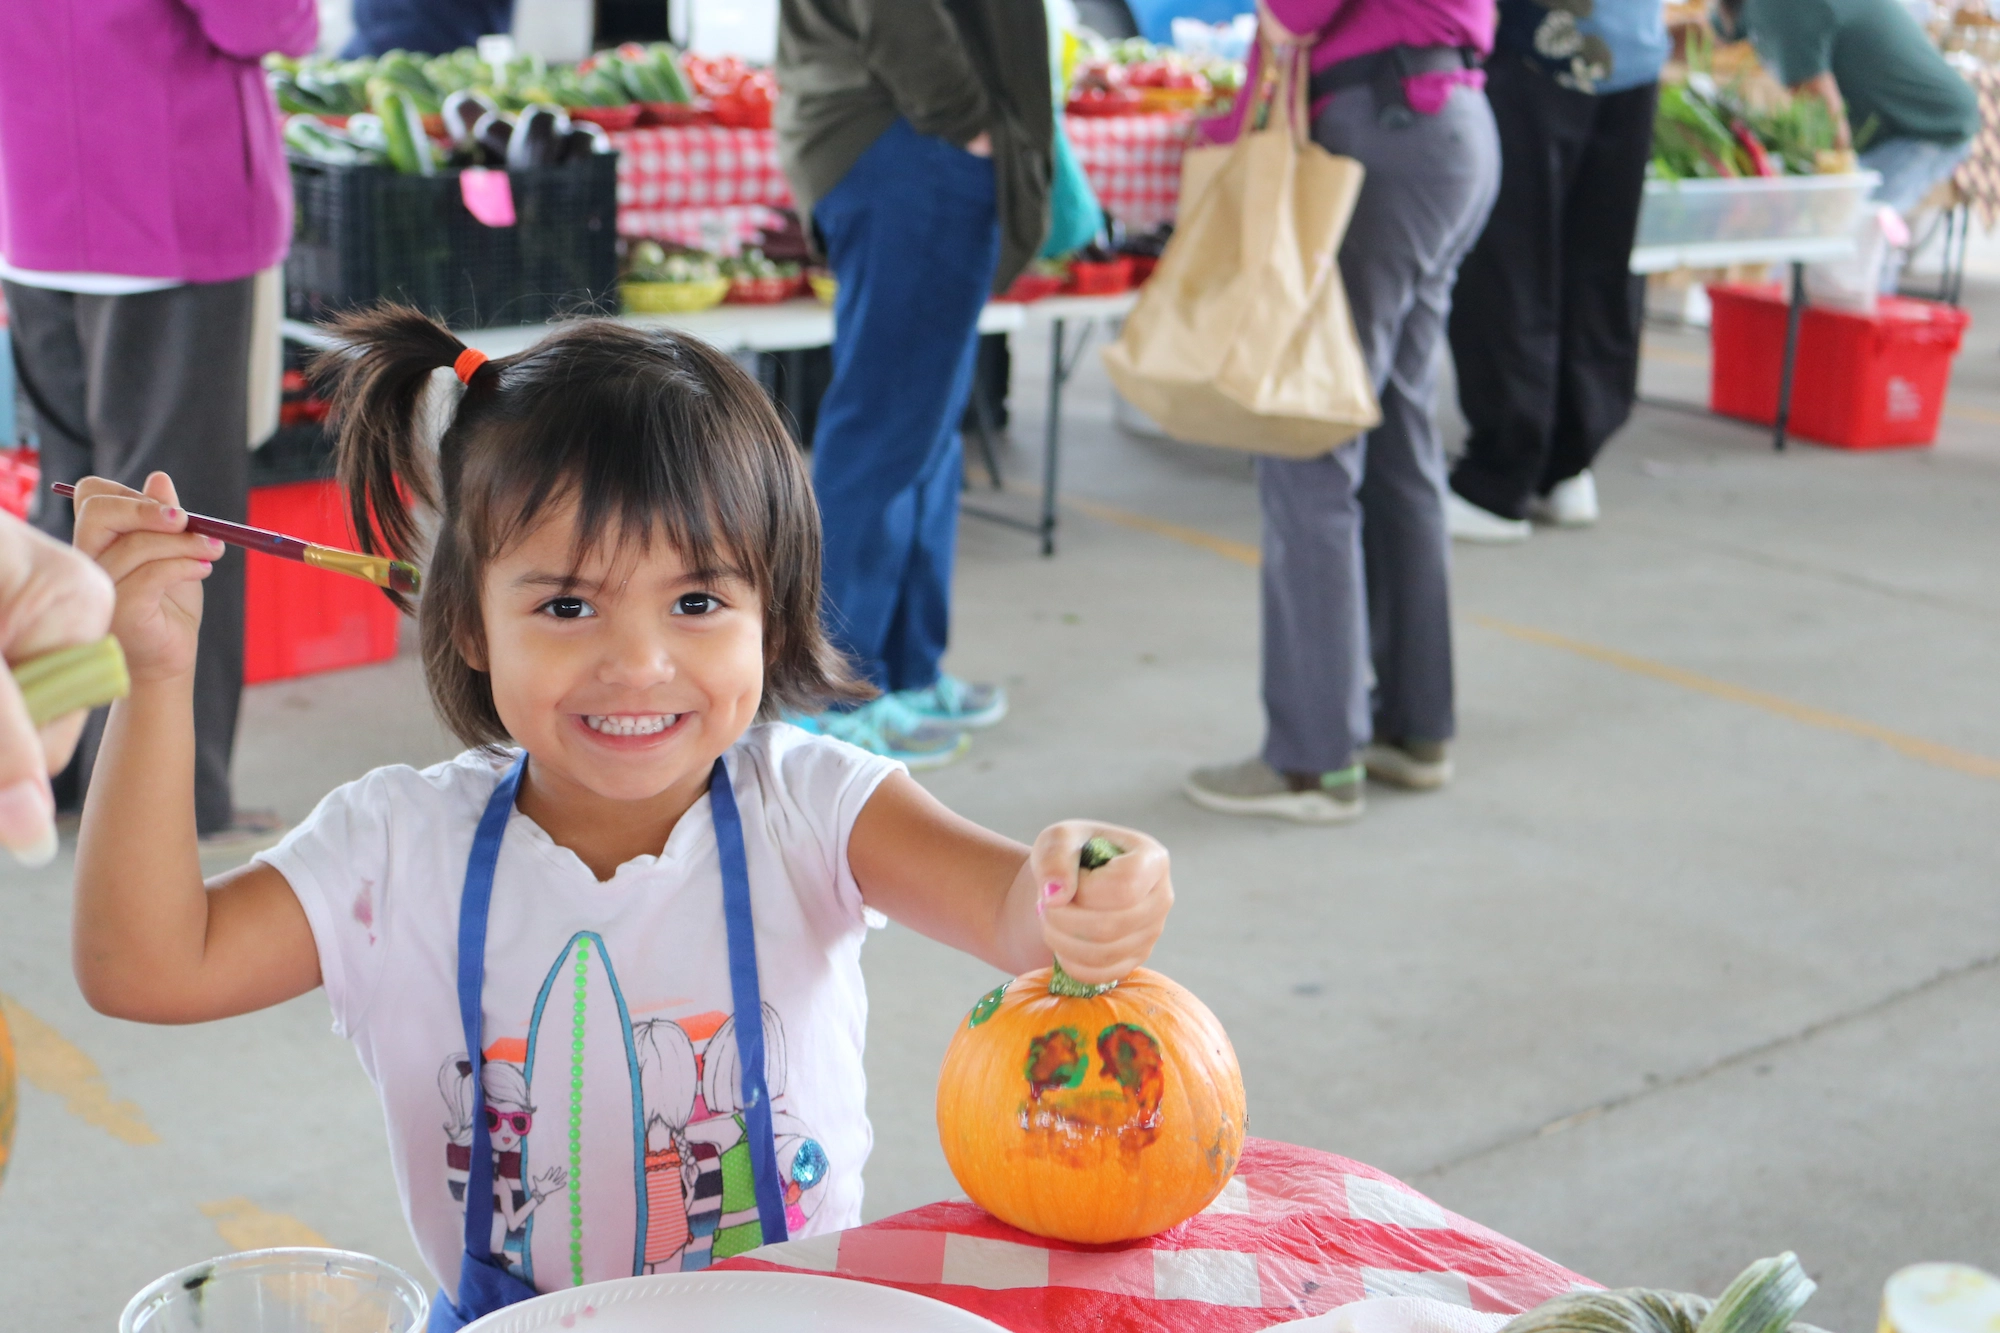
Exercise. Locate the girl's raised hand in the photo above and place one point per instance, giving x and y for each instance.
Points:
(1101, 923)
(157, 566)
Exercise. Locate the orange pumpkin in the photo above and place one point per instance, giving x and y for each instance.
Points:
(1090, 1114)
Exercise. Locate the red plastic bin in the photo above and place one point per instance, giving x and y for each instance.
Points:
(298, 620)
(1861, 381)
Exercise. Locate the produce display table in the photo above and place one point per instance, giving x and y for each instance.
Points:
(793, 325)
(708, 186)
(1295, 1233)
(1796, 220)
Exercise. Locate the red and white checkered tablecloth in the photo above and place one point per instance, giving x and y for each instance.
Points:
(671, 178)
(1297, 1232)
(690, 183)
(1133, 162)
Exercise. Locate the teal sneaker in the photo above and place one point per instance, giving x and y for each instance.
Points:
(885, 727)
(956, 703)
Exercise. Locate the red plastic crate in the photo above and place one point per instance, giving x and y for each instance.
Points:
(20, 474)
(1861, 381)
(298, 620)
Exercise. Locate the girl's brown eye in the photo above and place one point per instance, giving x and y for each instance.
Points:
(568, 608)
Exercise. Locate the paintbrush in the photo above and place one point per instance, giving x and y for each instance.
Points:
(380, 570)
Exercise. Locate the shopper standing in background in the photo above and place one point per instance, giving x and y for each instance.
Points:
(1356, 585)
(1545, 320)
(1888, 89)
(142, 188)
(426, 27)
(916, 135)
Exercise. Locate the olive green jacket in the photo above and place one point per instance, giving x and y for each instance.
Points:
(952, 68)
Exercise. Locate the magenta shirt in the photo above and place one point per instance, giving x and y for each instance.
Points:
(1349, 28)
(138, 136)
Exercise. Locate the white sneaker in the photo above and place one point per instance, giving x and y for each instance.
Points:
(1467, 522)
(1415, 765)
(1571, 504)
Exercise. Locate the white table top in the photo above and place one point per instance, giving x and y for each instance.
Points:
(785, 326)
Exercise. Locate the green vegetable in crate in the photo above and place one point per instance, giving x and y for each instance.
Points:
(537, 140)
(409, 148)
(308, 136)
(601, 86)
(1764, 1298)
(365, 129)
(402, 70)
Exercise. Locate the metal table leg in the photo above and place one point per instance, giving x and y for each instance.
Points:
(1793, 315)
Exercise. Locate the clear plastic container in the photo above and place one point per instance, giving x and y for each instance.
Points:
(281, 1291)
(1760, 218)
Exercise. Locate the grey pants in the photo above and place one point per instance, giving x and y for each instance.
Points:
(122, 386)
(1356, 596)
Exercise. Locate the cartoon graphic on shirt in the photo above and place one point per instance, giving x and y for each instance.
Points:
(669, 1081)
(510, 1115)
(643, 1151)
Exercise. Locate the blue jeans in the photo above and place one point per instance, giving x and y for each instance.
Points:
(912, 232)
(1911, 168)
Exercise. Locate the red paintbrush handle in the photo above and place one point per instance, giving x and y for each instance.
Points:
(236, 534)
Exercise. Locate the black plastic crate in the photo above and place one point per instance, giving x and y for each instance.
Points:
(361, 234)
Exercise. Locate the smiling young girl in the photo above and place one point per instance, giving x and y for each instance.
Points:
(622, 593)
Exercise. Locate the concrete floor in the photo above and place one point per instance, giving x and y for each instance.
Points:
(1694, 963)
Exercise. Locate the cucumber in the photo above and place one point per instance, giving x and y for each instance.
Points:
(403, 128)
(667, 64)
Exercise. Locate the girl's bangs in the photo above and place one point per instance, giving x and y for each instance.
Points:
(635, 466)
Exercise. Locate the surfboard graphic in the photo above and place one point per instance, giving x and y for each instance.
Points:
(583, 1073)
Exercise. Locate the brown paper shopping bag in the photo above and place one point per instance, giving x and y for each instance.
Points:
(1242, 337)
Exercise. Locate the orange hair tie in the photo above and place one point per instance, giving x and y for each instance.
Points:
(468, 363)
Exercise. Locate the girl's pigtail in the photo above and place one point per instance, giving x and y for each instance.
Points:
(378, 371)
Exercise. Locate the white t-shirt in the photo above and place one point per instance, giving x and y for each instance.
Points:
(609, 1042)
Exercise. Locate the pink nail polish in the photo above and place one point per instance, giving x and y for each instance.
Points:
(1051, 889)
(172, 514)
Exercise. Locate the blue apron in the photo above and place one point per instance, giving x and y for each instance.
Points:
(484, 1284)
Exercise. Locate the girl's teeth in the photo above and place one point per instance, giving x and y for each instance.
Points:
(630, 724)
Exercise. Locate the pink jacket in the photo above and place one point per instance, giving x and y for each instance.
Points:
(138, 137)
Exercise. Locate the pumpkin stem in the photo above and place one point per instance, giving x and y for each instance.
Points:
(1063, 984)
(1096, 854)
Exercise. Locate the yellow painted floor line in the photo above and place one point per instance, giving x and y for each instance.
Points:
(1914, 747)
(245, 1226)
(1241, 552)
(56, 1065)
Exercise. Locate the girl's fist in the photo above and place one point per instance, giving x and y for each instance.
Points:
(1101, 923)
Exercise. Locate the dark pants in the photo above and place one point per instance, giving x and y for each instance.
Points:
(122, 386)
(912, 233)
(1545, 317)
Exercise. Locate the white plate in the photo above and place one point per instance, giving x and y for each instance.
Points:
(732, 1303)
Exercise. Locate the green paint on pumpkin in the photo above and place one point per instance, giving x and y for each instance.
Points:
(988, 1005)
